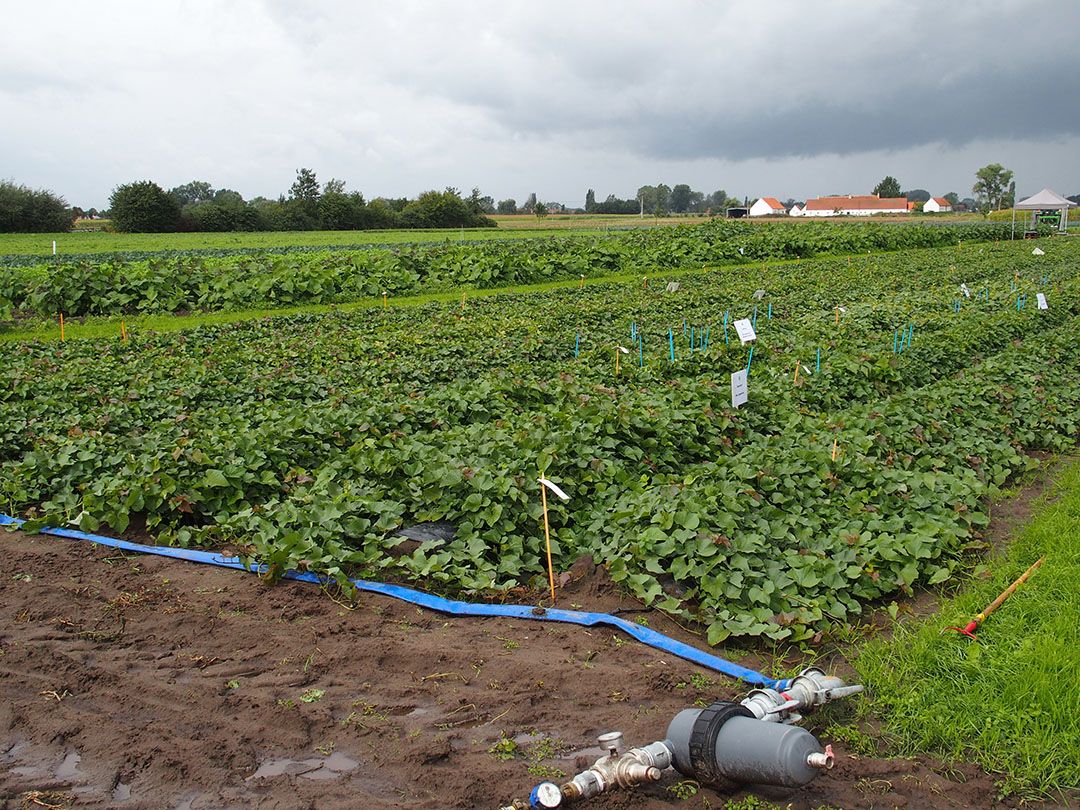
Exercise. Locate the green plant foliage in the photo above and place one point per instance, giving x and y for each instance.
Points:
(310, 441)
(230, 280)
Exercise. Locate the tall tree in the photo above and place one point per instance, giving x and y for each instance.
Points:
(888, 187)
(991, 187)
(196, 191)
(590, 201)
(305, 187)
(333, 186)
(507, 206)
(540, 210)
(143, 207)
(23, 210)
(680, 198)
(953, 198)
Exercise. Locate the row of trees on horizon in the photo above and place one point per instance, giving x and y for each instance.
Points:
(144, 206)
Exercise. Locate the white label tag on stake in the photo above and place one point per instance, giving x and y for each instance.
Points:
(759, 294)
(1038, 252)
(964, 289)
(1042, 301)
(738, 388)
(554, 488)
(745, 329)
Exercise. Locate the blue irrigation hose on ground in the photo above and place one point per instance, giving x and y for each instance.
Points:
(437, 603)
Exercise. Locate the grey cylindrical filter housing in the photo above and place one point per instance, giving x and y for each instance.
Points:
(741, 748)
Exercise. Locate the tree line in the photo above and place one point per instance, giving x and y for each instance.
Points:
(196, 206)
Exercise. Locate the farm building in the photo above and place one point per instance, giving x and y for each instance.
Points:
(937, 205)
(767, 206)
(796, 211)
(855, 206)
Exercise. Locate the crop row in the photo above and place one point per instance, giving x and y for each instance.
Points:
(312, 440)
(116, 285)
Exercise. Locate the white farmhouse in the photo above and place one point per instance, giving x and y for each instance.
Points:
(796, 211)
(854, 206)
(937, 205)
(767, 206)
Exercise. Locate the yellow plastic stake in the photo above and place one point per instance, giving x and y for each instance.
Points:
(61, 327)
(547, 540)
(581, 283)
(123, 331)
(645, 282)
(838, 315)
(834, 441)
(796, 372)
(616, 362)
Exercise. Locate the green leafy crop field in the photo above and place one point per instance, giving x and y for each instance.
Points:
(225, 279)
(310, 440)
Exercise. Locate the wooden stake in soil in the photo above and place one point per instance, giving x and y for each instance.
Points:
(544, 486)
(796, 373)
(834, 441)
(384, 300)
(61, 327)
(123, 331)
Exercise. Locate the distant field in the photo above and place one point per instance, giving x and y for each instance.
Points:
(33, 244)
(518, 226)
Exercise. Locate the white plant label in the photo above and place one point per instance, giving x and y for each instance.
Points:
(554, 488)
(738, 388)
(745, 330)
(1038, 252)
(964, 289)
(1041, 298)
(759, 294)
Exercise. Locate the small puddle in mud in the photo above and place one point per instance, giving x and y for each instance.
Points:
(121, 793)
(69, 768)
(317, 768)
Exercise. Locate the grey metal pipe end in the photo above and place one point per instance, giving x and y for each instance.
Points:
(822, 760)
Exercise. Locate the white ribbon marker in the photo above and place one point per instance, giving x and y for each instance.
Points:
(555, 487)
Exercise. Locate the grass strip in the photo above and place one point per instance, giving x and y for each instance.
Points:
(1007, 701)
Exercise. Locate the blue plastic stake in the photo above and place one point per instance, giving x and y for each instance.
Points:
(640, 351)
(691, 340)
(817, 366)
(725, 327)
(770, 311)
(671, 344)
(895, 341)
(705, 340)
(754, 324)
(577, 345)
(750, 359)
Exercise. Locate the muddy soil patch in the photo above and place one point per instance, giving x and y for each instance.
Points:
(138, 681)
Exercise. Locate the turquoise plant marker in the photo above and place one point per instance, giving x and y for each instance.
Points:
(691, 340)
(705, 340)
(577, 345)
(895, 341)
(750, 359)
(754, 324)
(640, 351)
(725, 327)
(817, 366)
(770, 311)
(671, 344)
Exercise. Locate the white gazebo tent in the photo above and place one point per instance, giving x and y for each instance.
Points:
(1045, 200)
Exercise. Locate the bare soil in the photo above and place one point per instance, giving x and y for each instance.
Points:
(141, 682)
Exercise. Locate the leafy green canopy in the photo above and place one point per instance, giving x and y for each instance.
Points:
(309, 441)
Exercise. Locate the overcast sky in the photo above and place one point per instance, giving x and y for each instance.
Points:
(780, 98)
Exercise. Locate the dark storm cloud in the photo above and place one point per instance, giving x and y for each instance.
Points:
(998, 105)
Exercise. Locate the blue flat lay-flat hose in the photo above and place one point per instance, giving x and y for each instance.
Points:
(437, 603)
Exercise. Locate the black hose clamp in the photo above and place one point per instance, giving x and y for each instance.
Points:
(703, 737)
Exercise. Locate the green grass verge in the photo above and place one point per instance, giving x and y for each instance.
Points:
(1008, 701)
(82, 242)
